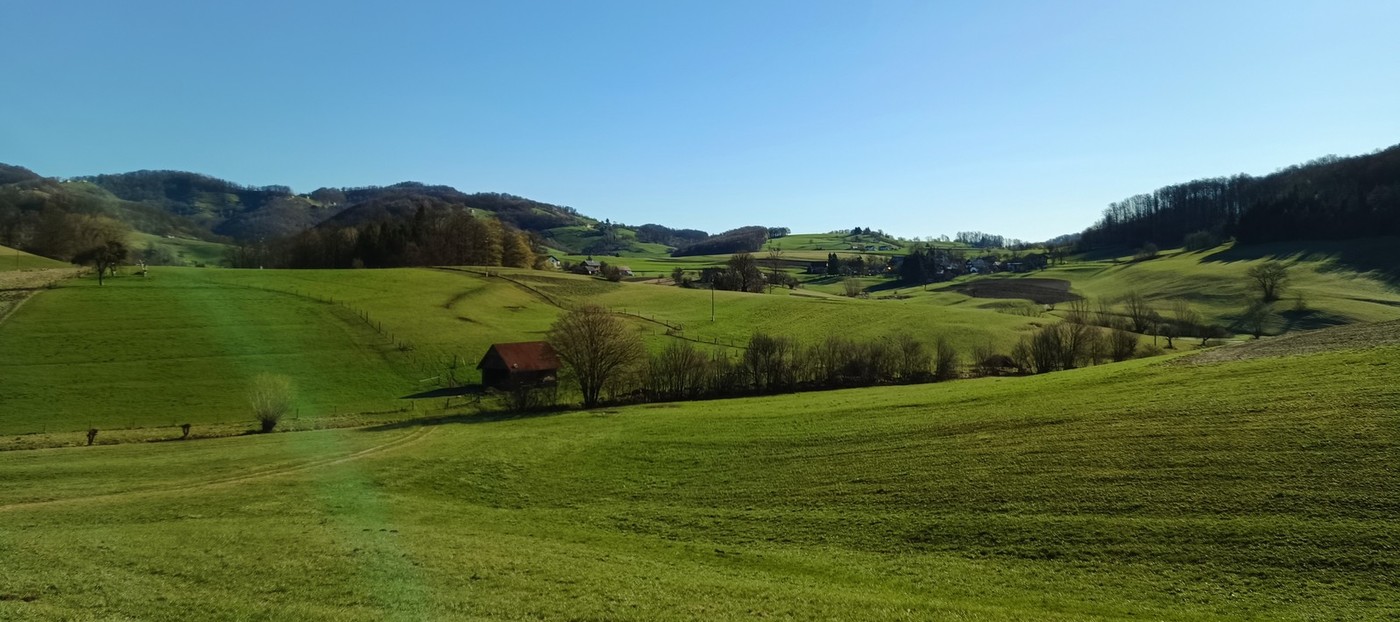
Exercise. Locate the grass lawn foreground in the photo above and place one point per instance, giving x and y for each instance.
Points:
(1140, 490)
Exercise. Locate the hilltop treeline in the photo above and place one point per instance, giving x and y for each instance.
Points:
(10, 174)
(186, 193)
(659, 234)
(427, 239)
(218, 207)
(1327, 198)
(253, 213)
(741, 240)
(374, 203)
(978, 239)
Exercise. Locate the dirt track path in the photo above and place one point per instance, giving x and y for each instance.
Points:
(400, 442)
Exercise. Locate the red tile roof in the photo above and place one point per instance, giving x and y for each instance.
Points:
(521, 356)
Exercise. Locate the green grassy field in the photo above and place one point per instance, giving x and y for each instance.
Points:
(15, 259)
(186, 251)
(173, 348)
(1261, 489)
(182, 345)
(1214, 282)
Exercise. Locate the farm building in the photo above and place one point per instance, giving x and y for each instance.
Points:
(588, 266)
(513, 364)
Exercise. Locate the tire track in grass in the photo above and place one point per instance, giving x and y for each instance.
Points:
(410, 438)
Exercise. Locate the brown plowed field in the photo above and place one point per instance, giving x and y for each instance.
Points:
(1353, 337)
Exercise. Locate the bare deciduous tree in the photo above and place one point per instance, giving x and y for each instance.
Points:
(1139, 312)
(1269, 277)
(1079, 311)
(914, 359)
(775, 267)
(984, 357)
(678, 372)
(1255, 316)
(769, 361)
(945, 360)
(1122, 345)
(105, 257)
(597, 346)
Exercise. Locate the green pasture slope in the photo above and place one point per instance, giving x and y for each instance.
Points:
(173, 348)
(1262, 489)
(1339, 283)
(15, 259)
(182, 345)
(186, 251)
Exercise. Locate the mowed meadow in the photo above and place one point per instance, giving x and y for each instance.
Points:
(1260, 489)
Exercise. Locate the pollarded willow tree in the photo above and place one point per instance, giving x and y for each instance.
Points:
(597, 347)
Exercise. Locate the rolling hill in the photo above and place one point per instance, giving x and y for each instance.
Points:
(1250, 480)
(183, 343)
(1255, 489)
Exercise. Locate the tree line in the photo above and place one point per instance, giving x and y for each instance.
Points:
(744, 239)
(426, 239)
(606, 359)
(660, 234)
(1327, 198)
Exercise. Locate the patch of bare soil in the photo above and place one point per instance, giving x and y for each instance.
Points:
(1040, 291)
(1352, 337)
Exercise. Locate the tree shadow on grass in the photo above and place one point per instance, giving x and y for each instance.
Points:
(467, 418)
(1308, 319)
(1378, 256)
(885, 286)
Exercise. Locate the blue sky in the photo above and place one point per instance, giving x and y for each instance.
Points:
(920, 118)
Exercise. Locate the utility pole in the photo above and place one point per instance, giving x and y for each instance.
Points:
(712, 301)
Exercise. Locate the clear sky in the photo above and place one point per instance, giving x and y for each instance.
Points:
(920, 118)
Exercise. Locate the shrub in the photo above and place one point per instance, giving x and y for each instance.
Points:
(1150, 350)
(1200, 240)
(1122, 344)
(611, 272)
(270, 397)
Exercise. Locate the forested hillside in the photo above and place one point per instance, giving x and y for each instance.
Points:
(384, 225)
(1328, 198)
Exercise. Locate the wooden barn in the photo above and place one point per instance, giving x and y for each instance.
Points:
(513, 364)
